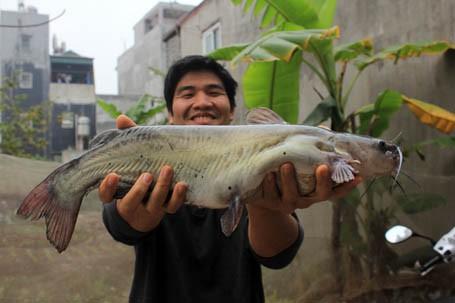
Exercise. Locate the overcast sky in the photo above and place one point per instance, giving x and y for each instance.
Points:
(100, 29)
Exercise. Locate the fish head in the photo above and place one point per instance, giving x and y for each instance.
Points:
(376, 156)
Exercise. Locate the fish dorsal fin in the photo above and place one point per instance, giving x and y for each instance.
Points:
(263, 115)
(103, 138)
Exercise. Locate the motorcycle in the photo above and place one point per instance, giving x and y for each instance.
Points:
(443, 251)
(444, 247)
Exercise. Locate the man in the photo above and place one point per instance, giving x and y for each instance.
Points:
(181, 253)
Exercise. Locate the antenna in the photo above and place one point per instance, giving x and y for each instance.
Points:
(21, 5)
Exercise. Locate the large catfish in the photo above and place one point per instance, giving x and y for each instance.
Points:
(222, 165)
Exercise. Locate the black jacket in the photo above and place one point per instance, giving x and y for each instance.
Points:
(188, 259)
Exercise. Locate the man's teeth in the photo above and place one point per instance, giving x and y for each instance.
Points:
(203, 116)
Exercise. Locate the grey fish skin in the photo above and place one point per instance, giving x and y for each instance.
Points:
(221, 164)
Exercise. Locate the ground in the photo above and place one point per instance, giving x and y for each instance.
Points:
(94, 268)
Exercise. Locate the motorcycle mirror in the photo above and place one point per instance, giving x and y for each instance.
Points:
(398, 233)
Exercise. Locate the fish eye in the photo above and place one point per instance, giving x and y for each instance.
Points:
(382, 146)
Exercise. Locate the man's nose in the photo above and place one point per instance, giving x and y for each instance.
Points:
(201, 100)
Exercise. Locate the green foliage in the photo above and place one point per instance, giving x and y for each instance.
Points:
(109, 108)
(419, 202)
(274, 86)
(140, 113)
(323, 111)
(375, 118)
(227, 53)
(351, 51)
(303, 31)
(23, 130)
(307, 13)
(404, 51)
(442, 142)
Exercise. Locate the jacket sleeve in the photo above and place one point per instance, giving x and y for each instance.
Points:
(285, 257)
(119, 229)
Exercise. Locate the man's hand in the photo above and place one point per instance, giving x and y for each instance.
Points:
(290, 199)
(140, 216)
(271, 228)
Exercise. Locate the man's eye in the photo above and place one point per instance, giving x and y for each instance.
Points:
(187, 96)
(215, 94)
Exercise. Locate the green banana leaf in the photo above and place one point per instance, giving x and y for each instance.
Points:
(375, 118)
(281, 45)
(322, 112)
(138, 112)
(442, 142)
(227, 53)
(419, 202)
(108, 108)
(405, 51)
(351, 51)
(274, 85)
(307, 13)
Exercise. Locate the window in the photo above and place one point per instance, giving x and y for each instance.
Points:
(211, 38)
(150, 23)
(26, 80)
(26, 42)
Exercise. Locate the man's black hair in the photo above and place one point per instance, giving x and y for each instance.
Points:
(197, 63)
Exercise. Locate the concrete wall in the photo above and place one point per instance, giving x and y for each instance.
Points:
(148, 51)
(430, 79)
(387, 22)
(236, 27)
(72, 93)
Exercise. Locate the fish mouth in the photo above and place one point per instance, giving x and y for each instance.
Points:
(397, 157)
(393, 153)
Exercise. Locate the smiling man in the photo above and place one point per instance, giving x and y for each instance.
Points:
(181, 252)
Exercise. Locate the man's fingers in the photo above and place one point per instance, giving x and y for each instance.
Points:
(323, 182)
(124, 121)
(134, 197)
(270, 192)
(323, 189)
(108, 187)
(343, 190)
(178, 198)
(289, 183)
(160, 191)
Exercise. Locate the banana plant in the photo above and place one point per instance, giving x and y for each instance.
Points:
(303, 35)
(280, 77)
(139, 112)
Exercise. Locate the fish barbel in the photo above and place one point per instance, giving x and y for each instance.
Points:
(222, 165)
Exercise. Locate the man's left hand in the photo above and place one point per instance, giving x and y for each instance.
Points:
(269, 197)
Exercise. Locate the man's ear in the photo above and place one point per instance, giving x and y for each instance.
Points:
(170, 118)
(231, 115)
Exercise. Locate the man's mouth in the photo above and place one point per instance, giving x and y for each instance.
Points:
(203, 117)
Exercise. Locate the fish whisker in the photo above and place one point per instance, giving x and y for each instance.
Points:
(397, 137)
(412, 179)
(367, 188)
(401, 188)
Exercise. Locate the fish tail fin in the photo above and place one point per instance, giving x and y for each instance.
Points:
(60, 216)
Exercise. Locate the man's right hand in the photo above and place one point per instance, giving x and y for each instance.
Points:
(140, 216)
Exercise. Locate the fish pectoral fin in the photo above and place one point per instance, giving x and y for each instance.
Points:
(263, 115)
(231, 217)
(342, 171)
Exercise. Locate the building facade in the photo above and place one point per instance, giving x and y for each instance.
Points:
(24, 59)
(138, 68)
(72, 93)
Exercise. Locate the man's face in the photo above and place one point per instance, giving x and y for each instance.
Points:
(200, 99)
